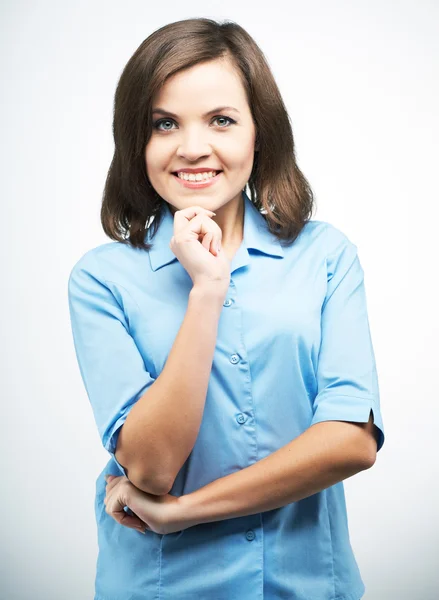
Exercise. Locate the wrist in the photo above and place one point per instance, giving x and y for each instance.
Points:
(210, 290)
(186, 509)
(208, 297)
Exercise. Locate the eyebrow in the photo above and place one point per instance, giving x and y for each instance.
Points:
(162, 111)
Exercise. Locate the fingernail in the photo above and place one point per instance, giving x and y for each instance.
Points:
(141, 530)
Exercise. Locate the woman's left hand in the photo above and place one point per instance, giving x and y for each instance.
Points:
(160, 514)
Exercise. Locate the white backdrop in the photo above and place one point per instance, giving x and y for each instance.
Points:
(360, 82)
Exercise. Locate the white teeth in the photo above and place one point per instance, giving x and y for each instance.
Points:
(196, 176)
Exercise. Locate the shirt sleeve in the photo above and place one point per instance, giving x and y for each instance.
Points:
(347, 382)
(111, 366)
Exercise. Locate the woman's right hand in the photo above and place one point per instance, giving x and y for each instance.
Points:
(196, 237)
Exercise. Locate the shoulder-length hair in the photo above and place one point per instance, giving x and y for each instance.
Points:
(277, 186)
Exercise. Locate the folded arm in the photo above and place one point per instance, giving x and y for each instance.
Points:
(323, 455)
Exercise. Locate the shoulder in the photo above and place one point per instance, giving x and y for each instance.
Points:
(341, 254)
(333, 240)
(332, 245)
(106, 261)
(325, 234)
(338, 240)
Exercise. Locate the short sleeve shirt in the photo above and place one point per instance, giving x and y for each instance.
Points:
(293, 349)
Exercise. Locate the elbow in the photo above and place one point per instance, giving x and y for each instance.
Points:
(363, 463)
(371, 459)
(146, 480)
(367, 458)
(155, 486)
(372, 440)
(370, 455)
(153, 483)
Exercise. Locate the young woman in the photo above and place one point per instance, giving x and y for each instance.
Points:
(223, 340)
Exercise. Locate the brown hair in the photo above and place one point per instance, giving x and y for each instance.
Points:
(276, 183)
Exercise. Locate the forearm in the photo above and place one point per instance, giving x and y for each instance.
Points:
(162, 427)
(323, 455)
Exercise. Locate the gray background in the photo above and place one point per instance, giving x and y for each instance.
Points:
(360, 81)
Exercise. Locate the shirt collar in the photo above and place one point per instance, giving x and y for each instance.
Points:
(256, 237)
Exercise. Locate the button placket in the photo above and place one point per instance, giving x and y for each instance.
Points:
(240, 417)
(250, 535)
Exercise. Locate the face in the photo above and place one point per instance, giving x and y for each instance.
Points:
(192, 133)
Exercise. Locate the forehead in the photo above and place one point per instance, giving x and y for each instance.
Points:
(215, 81)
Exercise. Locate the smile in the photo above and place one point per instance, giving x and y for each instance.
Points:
(197, 180)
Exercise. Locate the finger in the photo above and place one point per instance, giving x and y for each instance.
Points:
(115, 507)
(112, 483)
(186, 215)
(196, 229)
(109, 477)
(199, 225)
(216, 245)
(190, 212)
(130, 521)
(207, 240)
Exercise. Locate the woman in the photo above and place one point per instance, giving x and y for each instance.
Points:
(223, 340)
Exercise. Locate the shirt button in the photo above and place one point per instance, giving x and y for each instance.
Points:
(234, 359)
(227, 302)
(250, 535)
(241, 418)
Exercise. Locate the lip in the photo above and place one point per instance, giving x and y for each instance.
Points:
(197, 170)
(198, 184)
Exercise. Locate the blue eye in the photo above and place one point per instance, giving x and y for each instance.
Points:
(231, 121)
(157, 124)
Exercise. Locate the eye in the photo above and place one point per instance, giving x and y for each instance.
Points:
(231, 121)
(158, 123)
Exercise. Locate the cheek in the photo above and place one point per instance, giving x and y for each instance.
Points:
(156, 157)
(242, 159)
(240, 151)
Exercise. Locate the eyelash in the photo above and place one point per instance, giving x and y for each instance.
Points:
(157, 123)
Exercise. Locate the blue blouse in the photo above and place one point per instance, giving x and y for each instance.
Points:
(293, 349)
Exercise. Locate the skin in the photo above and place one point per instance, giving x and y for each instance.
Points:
(160, 514)
(323, 455)
(192, 140)
(226, 141)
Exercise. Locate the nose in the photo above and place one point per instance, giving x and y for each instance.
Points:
(193, 146)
